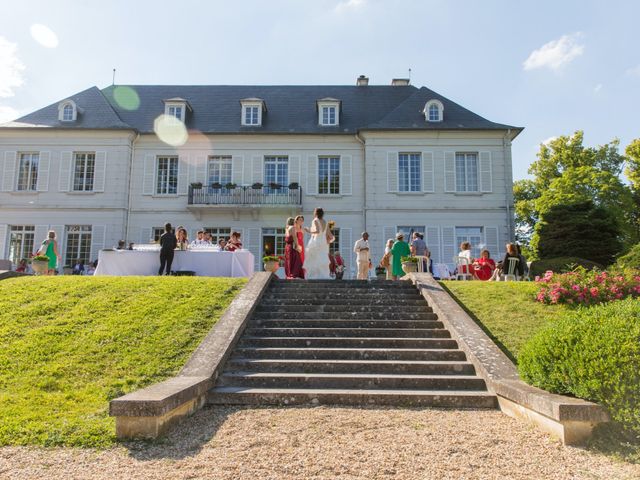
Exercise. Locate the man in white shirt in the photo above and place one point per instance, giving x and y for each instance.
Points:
(199, 241)
(361, 248)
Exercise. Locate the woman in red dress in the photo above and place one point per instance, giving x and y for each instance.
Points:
(292, 259)
(234, 242)
(484, 266)
(299, 229)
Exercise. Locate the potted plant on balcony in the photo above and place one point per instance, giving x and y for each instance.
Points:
(40, 264)
(294, 186)
(409, 264)
(257, 186)
(271, 263)
(274, 186)
(196, 185)
(216, 185)
(381, 273)
(230, 186)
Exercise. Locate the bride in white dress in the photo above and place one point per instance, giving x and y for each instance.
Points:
(316, 259)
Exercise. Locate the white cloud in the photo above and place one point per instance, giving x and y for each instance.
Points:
(597, 88)
(348, 5)
(8, 113)
(10, 68)
(556, 53)
(635, 71)
(548, 140)
(44, 35)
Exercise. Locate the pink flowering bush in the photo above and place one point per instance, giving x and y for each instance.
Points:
(583, 287)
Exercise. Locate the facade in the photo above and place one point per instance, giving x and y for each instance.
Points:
(116, 164)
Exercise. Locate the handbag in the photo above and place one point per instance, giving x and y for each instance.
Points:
(385, 262)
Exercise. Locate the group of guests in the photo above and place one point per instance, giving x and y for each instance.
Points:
(396, 249)
(170, 241)
(486, 269)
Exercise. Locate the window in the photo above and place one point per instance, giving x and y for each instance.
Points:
(276, 170)
(78, 244)
(409, 172)
(156, 233)
(21, 242)
(409, 229)
(251, 115)
(434, 113)
(175, 111)
(28, 171)
(218, 234)
(273, 242)
(83, 172)
(335, 246)
(329, 175)
(329, 115)
(67, 113)
(167, 176)
(220, 170)
(466, 172)
(473, 235)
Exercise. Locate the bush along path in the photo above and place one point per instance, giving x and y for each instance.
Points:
(70, 344)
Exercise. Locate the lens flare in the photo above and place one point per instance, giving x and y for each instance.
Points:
(170, 130)
(44, 35)
(126, 98)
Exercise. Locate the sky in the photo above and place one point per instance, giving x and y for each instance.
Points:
(553, 67)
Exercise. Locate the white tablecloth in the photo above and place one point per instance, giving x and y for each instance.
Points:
(205, 263)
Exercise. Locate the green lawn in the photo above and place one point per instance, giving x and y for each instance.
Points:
(507, 311)
(70, 344)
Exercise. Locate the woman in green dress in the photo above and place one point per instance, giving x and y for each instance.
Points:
(49, 248)
(400, 249)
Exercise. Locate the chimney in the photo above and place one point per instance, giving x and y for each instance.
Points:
(362, 81)
(400, 82)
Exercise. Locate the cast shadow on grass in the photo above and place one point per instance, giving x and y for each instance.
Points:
(495, 340)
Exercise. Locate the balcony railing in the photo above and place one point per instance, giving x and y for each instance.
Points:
(244, 196)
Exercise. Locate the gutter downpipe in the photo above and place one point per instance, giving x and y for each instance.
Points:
(364, 180)
(506, 144)
(128, 210)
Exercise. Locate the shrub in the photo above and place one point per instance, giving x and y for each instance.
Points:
(631, 259)
(40, 258)
(409, 259)
(582, 287)
(593, 354)
(270, 258)
(561, 265)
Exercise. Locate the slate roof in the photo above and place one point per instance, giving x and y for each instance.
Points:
(290, 109)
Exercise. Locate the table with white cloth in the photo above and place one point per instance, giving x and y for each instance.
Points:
(205, 263)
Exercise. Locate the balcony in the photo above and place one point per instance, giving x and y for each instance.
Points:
(250, 197)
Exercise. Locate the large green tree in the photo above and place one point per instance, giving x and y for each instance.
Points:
(565, 173)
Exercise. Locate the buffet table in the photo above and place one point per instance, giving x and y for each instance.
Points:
(206, 263)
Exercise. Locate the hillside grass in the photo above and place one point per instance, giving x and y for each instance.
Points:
(70, 344)
(506, 311)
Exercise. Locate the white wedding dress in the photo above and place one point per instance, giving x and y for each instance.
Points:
(316, 257)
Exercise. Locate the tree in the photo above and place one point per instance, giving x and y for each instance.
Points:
(632, 170)
(566, 172)
(582, 230)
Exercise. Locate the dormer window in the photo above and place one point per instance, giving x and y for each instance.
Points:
(252, 109)
(434, 111)
(67, 111)
(177, 108)
(329, 112)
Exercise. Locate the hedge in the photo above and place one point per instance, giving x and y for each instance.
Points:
(594, 354)
(631, 259)
(560, 265)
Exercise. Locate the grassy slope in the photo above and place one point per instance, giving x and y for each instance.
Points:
(68, 345)
(506, 310)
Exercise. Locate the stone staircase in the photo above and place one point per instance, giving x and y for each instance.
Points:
(348, 343)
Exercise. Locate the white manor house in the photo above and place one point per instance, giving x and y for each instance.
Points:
(117, 163)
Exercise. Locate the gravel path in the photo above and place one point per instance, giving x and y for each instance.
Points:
(328, 443)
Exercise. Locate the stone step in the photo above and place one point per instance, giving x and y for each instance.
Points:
(351, 366)
(278, 315)
(339, 303)
(350, 332)
(347, 342)
(320, 323)
(404, 354)
(379, 308)
(341, 295)
(350, 381)
(406, 398)
(332, 284)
